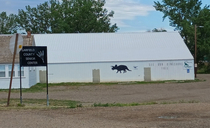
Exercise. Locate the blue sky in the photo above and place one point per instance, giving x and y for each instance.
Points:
(130, 15)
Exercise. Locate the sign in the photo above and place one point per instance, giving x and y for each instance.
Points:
(188, 65)
(33, 56)
(196, 65)
(19, 43)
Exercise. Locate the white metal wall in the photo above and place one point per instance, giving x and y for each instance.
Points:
(82, 72)
(172, 70)
(5, 81)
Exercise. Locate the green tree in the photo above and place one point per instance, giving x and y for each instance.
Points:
(89, 16)
(36, 19)
(7, 23)
(58, 16)
(67, 16)
(159, 30)
(184, 15)
(203, 36)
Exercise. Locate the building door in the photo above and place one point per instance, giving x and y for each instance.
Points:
(96, 75)
(147, 74)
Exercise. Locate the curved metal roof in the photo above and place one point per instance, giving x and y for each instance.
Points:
(103, 47)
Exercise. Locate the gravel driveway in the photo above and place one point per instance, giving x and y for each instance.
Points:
(185, 115)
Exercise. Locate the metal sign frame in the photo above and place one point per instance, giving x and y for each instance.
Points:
(33, 56)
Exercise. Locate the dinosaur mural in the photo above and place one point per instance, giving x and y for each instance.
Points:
(120, 68)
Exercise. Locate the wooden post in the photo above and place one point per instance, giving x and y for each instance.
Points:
(13, 62)
(20, 85)
(195, 57)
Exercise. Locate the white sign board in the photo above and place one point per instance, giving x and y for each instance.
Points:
(196, 65)
(19, 43)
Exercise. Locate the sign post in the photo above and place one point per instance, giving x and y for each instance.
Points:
(20, 85)
(34, 56)
(14, 41)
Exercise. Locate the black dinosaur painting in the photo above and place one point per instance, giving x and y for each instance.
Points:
(120, 68)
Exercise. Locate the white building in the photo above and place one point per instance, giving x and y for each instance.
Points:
(91, 58)
(148, 56)
(28, 73)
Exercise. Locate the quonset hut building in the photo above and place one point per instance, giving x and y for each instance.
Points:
(102, 57)
(108, 57)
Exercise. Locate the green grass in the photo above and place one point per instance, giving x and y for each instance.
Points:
(181, 101)
(39, 103)
(58, 104)
(122, 105)
(42, 87)
(138, 104)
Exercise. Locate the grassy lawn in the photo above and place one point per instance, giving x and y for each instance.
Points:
(42, 87)
(58, 104)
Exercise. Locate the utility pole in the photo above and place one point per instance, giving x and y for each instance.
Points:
(195, 56)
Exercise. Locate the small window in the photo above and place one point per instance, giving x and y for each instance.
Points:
(22, 71)
(10, 71)
(2, 70)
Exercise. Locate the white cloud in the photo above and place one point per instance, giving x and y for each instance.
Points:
(127, 10)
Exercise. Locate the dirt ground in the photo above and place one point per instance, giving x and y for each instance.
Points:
(183, 115)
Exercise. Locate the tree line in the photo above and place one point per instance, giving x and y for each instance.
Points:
(184, 16)
(55, 16)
